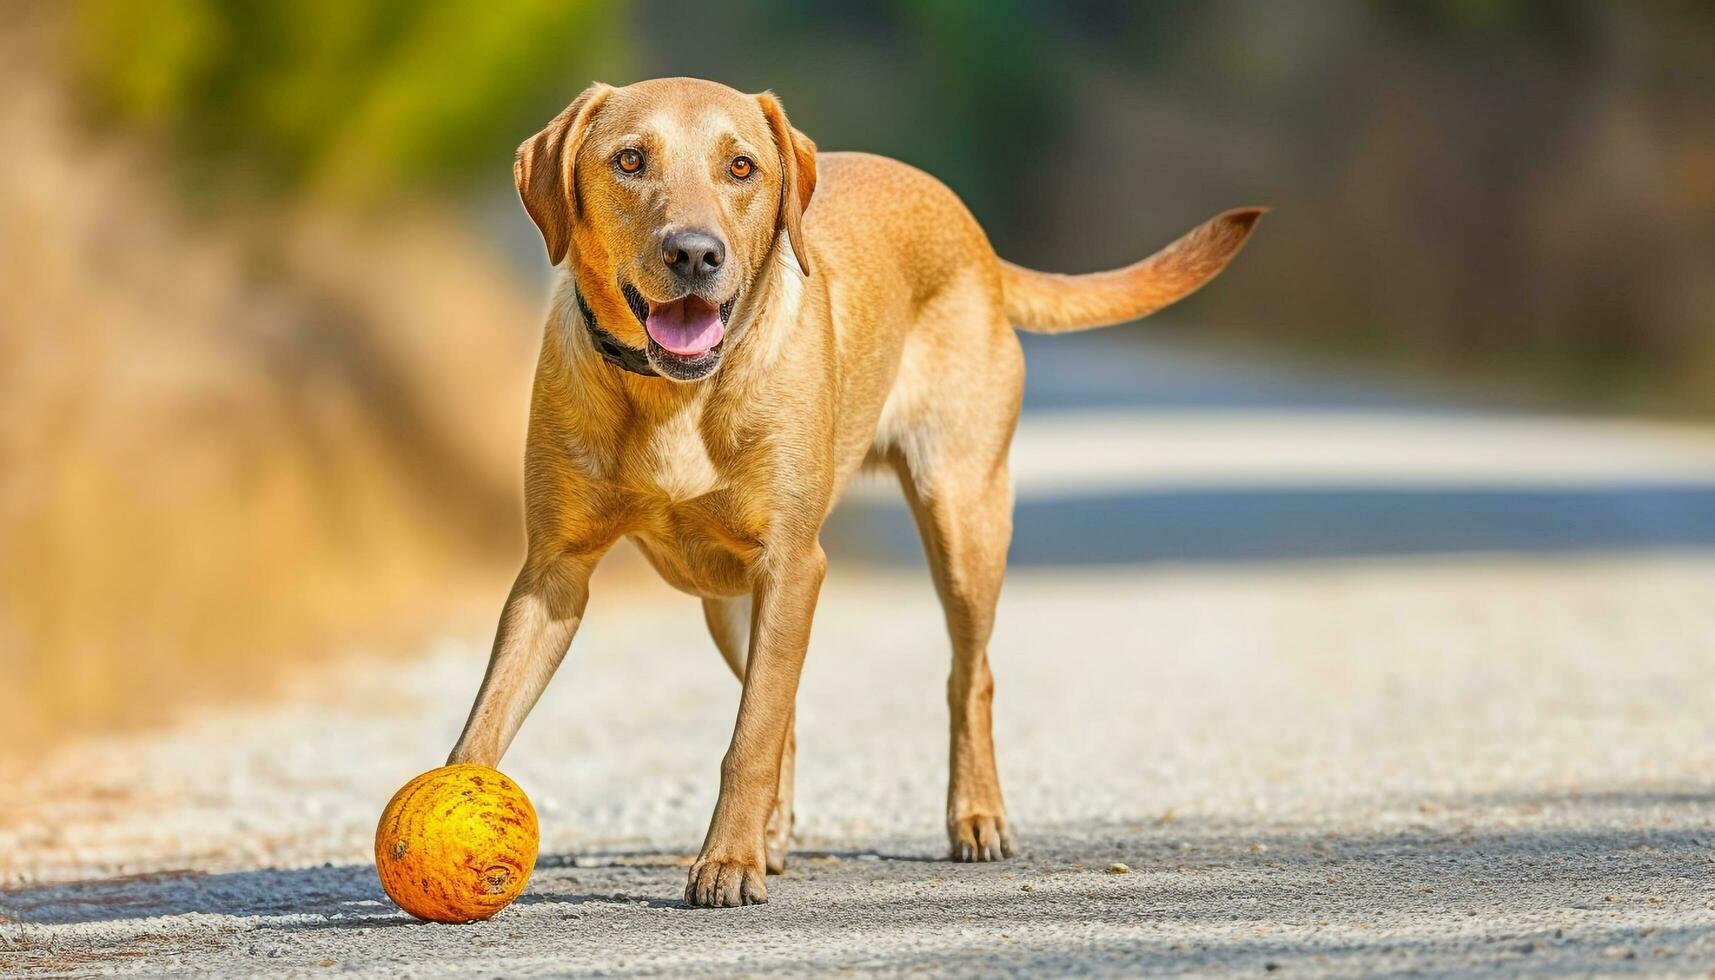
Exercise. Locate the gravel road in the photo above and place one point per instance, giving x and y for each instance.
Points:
(1406, 754)
(1429, 766)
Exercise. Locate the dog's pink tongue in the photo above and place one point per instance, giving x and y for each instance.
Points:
(686, 327)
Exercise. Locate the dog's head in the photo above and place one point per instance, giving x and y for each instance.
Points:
(668, 196)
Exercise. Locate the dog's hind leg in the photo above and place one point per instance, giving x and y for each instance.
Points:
(960, 493)
(729, 624)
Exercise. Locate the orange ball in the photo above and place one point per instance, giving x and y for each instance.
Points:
(456, 844)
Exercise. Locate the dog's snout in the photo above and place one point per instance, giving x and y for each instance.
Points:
(693, 253)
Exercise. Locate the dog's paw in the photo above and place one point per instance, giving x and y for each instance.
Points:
(717, 882)
(979, 837)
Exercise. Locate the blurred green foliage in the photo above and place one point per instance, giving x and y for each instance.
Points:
(342, 96)
(1457, 182)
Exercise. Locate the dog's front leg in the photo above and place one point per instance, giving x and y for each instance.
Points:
(730, 870)
(536, 627)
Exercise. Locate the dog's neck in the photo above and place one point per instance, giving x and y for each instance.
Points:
(613, 350)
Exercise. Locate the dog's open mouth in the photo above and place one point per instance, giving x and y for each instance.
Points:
(685, 334)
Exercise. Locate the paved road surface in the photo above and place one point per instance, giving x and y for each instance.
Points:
(1449, 744)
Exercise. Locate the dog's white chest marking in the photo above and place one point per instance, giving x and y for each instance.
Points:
(678, 460)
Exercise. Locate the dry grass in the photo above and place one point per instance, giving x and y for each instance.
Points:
(221, 450)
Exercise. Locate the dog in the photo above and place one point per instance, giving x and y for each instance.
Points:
(740, 325)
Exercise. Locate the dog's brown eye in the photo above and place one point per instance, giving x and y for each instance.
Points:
(742, 168)
(629, 161)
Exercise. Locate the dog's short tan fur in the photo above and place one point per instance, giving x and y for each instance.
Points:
(873, 325)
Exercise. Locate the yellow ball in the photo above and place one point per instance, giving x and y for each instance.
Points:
(456, 844)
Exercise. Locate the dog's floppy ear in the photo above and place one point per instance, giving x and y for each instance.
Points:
(798, 175)
(545, 171)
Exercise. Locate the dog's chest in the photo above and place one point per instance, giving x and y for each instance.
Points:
(672, 461)
(684, 511)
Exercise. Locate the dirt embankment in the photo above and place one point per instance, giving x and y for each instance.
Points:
(230, 440)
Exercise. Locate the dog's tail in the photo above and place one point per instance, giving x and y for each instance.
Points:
(1048, 302)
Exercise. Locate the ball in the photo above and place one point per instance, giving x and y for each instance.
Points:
(456, 844)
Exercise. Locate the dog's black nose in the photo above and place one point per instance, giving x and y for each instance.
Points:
(693, 253)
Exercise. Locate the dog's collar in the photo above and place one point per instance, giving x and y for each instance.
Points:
(613, 350)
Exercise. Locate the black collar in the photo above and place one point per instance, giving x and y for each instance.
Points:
(613, 350)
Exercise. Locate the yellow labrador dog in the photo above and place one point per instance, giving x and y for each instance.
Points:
(740, 325)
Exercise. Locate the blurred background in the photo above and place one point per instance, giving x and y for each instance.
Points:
(269, 308)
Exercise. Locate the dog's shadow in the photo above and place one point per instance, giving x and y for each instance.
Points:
(343, 895)
(326, 896)
(337, 893)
